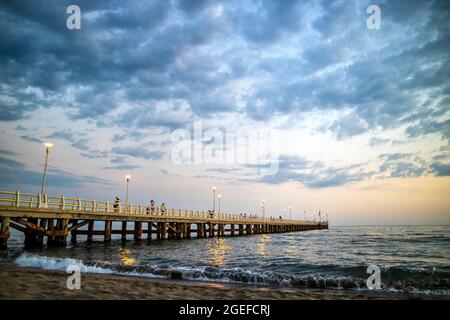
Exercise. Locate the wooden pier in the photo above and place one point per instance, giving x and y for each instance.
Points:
(41, 216)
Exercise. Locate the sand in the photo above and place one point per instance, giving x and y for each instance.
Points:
(31, 283)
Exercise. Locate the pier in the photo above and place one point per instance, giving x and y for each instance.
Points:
(53, 218)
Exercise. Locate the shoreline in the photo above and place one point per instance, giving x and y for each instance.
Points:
(38, 284)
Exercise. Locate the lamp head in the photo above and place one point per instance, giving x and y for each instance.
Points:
(128, 177)
(48, 145)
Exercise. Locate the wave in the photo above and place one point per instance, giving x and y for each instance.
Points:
(437, 285)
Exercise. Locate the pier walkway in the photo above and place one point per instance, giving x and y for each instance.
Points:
(41, 216)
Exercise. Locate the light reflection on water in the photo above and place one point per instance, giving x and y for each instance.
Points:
(125, 257)
(218, 249)
(262, 244)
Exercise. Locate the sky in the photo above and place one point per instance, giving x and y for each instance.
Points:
(298, 103)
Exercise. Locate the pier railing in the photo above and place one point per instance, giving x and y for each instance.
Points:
(40, 201)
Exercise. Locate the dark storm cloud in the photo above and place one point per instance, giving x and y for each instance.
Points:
(269, 20)
(132, 53)
(145, 64)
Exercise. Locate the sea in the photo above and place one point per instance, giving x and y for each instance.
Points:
(406, 259)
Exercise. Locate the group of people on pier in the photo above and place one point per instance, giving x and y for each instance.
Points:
(151, 209)
(250, 216)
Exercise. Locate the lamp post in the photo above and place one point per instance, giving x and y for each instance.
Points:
(290, 213)
(47, 146)
(263, 206)
(214, 198)
(128, 181)
(219, 197)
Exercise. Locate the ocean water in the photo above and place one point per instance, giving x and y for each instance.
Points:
(412, 259)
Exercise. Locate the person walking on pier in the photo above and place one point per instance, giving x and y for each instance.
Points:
(163, 209)
(152, 207)
(117, 205)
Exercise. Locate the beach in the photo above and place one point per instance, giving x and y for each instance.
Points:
(33, 283)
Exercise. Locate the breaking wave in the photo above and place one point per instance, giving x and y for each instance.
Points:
(393, 279)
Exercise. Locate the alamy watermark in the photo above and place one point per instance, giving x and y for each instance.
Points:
(374, 20)
(74, 279)
(374, 280)
(73, 21)
(253, 148)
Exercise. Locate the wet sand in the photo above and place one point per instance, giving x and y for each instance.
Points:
(31, 283)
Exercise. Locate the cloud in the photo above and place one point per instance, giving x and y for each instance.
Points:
(151, 65)
(138, 152)
(79, 141)
(15, 174)
(441, 169)
(31, 138)
(427, 126)
(402, 169)
(394, 156)
(313, 174)
(377, 141)
(168, 68)
(123, 167)
(8, 153)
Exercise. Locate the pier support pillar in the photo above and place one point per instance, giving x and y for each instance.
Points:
(149, 231)
(179, 230)
(62, 228)
(51, 228)
(137, 230)
(188, 230)
(90, 235)
(211, 230)
(231, 229)
(108, 227)
(200, 230)
(124, 230)
(163, 230)
(170, 232)
(31, 236)
(40, 237)
(73, 233)
(158, 230)
(241, 229)
(4, 233)
(221, 230)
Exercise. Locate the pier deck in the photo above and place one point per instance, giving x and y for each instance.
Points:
(56, 217)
